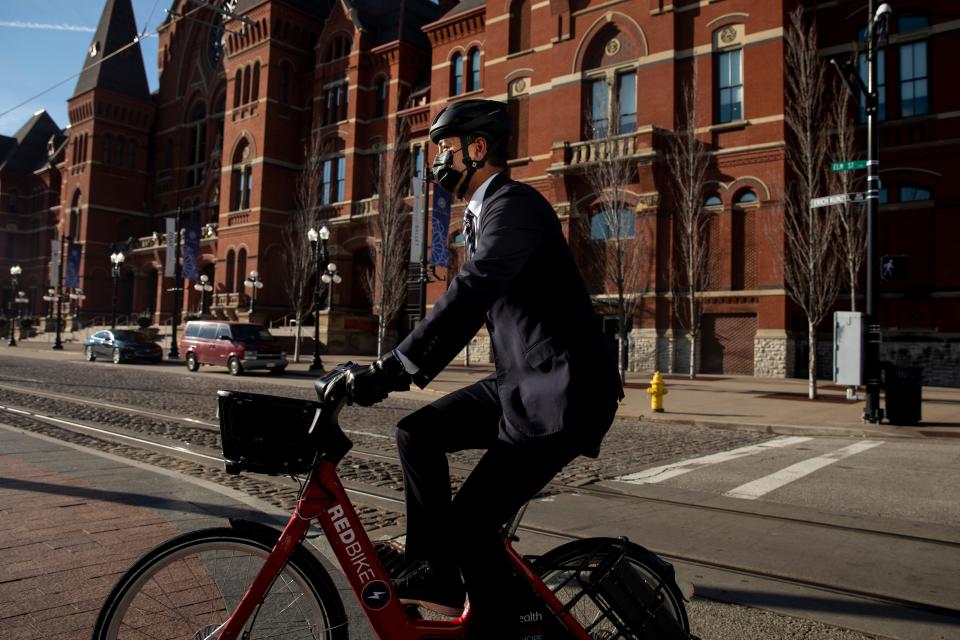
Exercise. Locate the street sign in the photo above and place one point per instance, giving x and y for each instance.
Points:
(840, 198)
(848, 165)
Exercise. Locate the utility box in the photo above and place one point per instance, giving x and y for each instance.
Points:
(848, 348)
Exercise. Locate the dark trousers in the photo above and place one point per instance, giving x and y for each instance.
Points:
(464, 529)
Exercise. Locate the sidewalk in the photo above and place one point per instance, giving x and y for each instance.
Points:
(768, 404)
(72, 520)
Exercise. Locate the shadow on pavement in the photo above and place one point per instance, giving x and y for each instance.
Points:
(133, 499)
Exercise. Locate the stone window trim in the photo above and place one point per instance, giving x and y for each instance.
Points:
(611, 75)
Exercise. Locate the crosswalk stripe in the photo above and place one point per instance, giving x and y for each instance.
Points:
(659, 474)
(756, 488)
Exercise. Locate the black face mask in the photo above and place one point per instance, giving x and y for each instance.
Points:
(446, 176)
(443, 172)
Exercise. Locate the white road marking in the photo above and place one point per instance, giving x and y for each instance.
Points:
(760, 486)
(659, 474)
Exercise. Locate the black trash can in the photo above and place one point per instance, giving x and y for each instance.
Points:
(904, 396)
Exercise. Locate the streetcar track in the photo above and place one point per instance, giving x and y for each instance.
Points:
(391, 497)
(462, 471)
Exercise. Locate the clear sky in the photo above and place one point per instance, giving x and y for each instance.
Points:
(43, 42)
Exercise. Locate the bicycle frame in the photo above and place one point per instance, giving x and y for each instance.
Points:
(325, 499)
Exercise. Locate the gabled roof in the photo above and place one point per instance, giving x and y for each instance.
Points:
(319, 8)
(123, 73)
(382, 20)
(465, 5)
(29, 149)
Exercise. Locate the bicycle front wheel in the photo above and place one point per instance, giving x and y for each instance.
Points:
(187, 588)
(653, 610)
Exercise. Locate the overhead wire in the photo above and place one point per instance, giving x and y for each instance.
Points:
(136, 41)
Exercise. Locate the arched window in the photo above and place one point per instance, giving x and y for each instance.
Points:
(339, 48)
(612, 223)
(334, 172)
(198, 145)
(456, 75)
(237, 85)
(519, 25)
(241, 178)
(231, 266)
(76, 149)
(381, 109)
(473, 74)
(241, 269)
(284, 82)
(131, 154)
(713, 200)
(73, 226)
(745, 196)
(335, 102)
(914, 193)
(118, 151)
(246, 84)
(107, 148)
(255, 87)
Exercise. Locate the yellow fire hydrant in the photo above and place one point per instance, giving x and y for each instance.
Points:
(657, 390)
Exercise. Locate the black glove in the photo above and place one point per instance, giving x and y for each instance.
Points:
(370, 385)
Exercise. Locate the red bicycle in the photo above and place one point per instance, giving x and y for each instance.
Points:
(249, 581)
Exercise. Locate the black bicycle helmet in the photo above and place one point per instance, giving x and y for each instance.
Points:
(474, 117)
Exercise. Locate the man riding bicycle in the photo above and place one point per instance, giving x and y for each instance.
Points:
(552, 398)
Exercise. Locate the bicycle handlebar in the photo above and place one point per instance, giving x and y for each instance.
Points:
(333, 392)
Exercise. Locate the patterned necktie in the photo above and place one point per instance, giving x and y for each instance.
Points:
(469, 232)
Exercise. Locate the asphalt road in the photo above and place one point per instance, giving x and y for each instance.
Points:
(818, 537)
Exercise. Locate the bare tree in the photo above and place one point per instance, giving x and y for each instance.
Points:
(615, 261)
(386, 284)
(298, 257)
(852, 230)
(810, 259)
(687, 164)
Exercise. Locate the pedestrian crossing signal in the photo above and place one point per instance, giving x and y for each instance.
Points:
(894, 267)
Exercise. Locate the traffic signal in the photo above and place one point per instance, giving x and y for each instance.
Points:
(894, 267)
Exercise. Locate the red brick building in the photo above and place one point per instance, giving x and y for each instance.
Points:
(223, 140)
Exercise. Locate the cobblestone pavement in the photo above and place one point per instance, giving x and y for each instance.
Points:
(629, 445)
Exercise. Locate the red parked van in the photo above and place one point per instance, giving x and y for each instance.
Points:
(236, 345)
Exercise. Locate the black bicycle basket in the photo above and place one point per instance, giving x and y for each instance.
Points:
(634, 601)
(268, 434)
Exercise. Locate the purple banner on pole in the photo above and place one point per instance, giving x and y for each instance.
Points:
(72, 279)
(440, 226)
(191, 250)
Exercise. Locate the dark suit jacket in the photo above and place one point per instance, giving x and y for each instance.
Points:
(554, 373)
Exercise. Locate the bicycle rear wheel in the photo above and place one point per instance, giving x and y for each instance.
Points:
(187, 588)
(653, 611)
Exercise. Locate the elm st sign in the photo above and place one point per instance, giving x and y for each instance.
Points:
(848, 165)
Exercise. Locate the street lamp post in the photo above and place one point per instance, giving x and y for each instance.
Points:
(49, 298)
(876, 28)
(116, 259)
(77, 295)
(331, 277)
(324, 271)
(21, 300)
(203, 287)
(58, 343)
(15, 272)
(253, 282)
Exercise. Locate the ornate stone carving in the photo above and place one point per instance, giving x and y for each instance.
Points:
(613, 47)
(728, 35)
